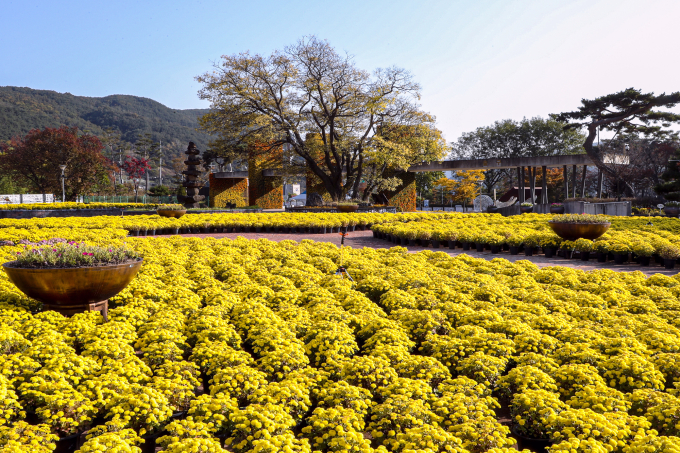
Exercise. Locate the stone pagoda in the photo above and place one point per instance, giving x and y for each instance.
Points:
(191, 174)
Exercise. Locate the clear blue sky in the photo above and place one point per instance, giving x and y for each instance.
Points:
(477, 60)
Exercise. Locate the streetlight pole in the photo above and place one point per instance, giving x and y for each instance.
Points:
(160, 162)
(422, 200)
(120, 164)
(63, 190)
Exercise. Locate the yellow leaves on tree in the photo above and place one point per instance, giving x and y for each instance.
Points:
(465, 185)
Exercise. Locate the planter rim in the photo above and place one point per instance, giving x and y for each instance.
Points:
(9, 264)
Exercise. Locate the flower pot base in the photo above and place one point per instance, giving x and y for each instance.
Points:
(149, 444)
(530, 443)
(620, 259)
(70, 443)
(70, 310)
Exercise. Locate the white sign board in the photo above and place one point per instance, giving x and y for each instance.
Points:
(296, 189)
(27, 198)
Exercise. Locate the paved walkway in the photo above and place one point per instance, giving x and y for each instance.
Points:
(360, 239)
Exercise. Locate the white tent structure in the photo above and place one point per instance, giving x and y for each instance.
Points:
(299, 200)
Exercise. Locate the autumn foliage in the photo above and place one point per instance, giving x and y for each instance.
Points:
(135, 168)
(33, 161)
(464, 188)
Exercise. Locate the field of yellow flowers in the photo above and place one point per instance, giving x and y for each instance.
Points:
(628, 235)
(256, 346)
(143, 225)
(74, 205)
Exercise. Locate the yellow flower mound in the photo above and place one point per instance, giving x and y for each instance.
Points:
(123, 441)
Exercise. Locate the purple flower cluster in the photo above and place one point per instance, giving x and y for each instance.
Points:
(72, 254)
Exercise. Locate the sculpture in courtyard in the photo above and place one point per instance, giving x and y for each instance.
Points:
(191, 182)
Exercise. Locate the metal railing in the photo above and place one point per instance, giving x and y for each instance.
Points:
(143, 199)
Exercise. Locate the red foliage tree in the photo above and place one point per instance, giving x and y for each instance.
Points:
(33, 161)
(135, 169)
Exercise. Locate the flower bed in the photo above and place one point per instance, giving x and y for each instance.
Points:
(628, 240)
(244, 346)
(74, 205)
(632, 237)
(229, 222)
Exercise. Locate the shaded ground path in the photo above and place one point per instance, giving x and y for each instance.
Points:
(360, 239)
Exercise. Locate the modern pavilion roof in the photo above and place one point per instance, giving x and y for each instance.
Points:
(509, 162)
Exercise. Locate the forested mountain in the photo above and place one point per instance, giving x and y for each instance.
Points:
(23, 109)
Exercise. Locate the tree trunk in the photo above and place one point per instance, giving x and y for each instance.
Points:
(597, 159)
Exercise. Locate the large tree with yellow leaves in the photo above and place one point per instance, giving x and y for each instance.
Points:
(364, 126)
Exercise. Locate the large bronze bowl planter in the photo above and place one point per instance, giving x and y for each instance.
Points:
(176, 213)
(573, 231)
(348, 208)
(671, 211)
(76, 289)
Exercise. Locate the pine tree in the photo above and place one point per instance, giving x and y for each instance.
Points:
(627, 112)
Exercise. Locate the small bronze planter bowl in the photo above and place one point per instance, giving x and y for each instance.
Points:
(72, 290)
(348, 208)
(573, 231)
(176, 213)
